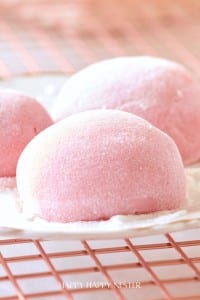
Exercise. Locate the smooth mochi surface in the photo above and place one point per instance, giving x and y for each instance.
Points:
(97, 164)
(161, 91)
(21, 118)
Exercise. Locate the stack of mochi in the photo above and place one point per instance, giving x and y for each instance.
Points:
(124, 130)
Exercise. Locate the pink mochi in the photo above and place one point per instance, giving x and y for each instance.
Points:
(97, 164)
(21, 118)
(160, 91)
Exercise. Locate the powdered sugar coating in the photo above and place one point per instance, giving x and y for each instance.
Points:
(161, 91)
(21, 118)
(97, 164)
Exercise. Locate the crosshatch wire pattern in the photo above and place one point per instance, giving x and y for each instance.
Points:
(152, 268)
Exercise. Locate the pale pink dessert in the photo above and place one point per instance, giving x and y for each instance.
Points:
(21, 118)
(97, 164)
(161, 91)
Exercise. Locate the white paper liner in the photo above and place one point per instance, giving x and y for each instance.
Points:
(16, 225)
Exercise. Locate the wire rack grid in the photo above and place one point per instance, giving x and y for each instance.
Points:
(152, 268)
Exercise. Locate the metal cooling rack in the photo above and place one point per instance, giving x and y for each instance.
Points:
(155, 268)
(165, 267)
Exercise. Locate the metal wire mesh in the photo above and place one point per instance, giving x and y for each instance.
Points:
(159, 267)
(153, 268)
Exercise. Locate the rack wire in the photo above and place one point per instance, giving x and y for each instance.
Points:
(158, 267)
(152, 268)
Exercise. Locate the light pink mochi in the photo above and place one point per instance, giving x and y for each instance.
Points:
(161, 91)
(97, 164)
(21, 118)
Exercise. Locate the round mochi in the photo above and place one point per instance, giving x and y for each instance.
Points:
(97, 164)
(160, 91)
(21, 118)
